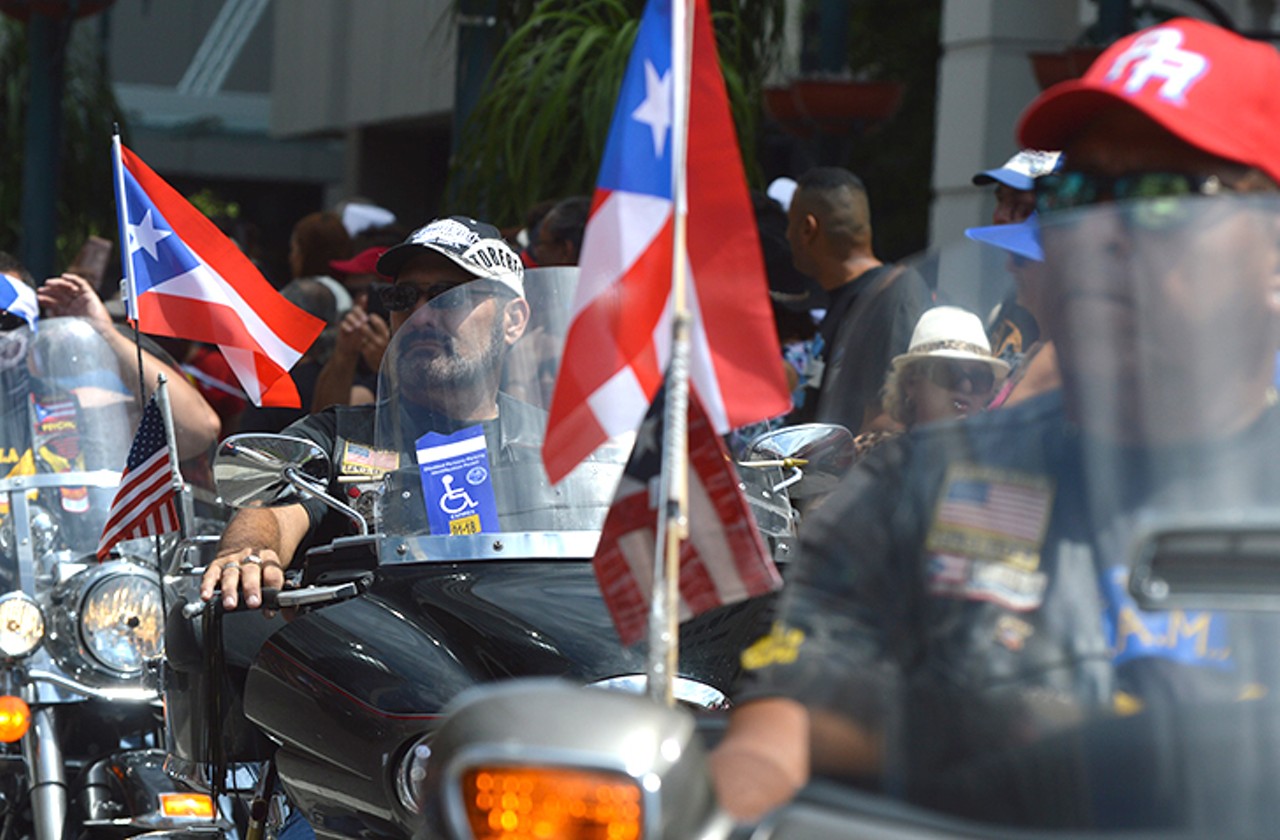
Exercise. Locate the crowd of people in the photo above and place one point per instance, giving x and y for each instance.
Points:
(889, 600)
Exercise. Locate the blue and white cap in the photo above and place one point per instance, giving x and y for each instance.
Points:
(1021, 171)
(17, 298)
(1020, 238)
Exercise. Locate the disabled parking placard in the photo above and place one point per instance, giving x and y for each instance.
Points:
(456, 482)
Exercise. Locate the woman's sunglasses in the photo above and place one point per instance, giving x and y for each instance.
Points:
(960, 377)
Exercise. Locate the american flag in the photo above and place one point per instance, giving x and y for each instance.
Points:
(723, 561)
(145, 504)
(997, 507)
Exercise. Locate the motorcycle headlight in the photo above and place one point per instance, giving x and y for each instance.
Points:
(410, 774)
(21, 625)
(121, 620)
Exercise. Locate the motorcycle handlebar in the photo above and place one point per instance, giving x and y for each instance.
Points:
(274, 598)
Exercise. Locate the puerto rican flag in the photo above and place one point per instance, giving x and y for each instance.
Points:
(185, 279)
(723, 561)
(619, 341)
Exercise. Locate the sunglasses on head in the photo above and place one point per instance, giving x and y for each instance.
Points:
(401, 297)
(965, 378)
(1153, 196)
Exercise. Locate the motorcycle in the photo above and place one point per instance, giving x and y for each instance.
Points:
(393, 624)
(81, 726)
(1169, 538)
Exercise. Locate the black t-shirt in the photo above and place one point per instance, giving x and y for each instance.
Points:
(864, 328)
(964, 592)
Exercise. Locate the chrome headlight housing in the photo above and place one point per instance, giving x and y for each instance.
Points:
(119, 617)
(21, 625)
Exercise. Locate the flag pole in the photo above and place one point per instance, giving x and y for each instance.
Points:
(673, 509)
(175, 473)
(130, 287)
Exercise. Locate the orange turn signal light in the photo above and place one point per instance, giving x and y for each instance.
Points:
(559, 802)
(15, 718)
(186, 805)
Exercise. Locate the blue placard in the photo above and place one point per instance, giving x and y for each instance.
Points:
(457, 485)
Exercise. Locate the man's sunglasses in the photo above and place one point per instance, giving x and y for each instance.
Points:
(1154, 195)
(960, 377)
(401, 297)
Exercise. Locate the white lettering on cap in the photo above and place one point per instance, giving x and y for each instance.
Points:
(449, 233)
(493, 258)
(1158, 55)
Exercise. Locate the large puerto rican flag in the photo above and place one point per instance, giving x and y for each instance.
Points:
(619, 341)
(185, 279)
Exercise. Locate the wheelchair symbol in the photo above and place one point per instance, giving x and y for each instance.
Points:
(455, 501)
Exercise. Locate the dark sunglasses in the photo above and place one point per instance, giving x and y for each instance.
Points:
(401, 297)
(1154, 195)
(955, 376)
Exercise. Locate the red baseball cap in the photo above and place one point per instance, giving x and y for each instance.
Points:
(1210, 87)
(365, 262)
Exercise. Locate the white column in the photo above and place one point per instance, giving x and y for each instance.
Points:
(984, 82)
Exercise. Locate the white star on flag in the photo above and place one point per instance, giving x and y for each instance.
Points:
(655, 110)
(144, 235)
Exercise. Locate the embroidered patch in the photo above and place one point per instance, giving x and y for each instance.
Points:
(780, 647)
(991, 514)
(1013, 632)
(997, 582)
(358, 459)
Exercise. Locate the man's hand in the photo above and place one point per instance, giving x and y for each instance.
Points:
(244, 572)
(71, 295)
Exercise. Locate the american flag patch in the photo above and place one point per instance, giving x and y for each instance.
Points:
(364, 460)
(995, 503)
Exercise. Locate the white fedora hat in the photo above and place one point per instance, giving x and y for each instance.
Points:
(949, 332)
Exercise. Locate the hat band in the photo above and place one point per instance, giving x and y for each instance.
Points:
(950, 344)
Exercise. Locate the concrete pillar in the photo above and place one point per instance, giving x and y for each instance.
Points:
(984, 82)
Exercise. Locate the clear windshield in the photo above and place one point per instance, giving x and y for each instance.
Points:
(67, 410)
(1065, 612)
(462, 399)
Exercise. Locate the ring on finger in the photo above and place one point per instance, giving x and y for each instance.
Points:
(251, 560)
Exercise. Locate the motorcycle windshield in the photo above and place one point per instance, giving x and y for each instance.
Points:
(66, 410)
(463, 395)
(1063, 612)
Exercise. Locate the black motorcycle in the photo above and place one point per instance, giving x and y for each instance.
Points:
(396, 623)
(80, 641)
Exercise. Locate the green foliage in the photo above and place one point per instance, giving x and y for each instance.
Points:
(86, 200)
(539, 130)
(213, 206)
(898, 41)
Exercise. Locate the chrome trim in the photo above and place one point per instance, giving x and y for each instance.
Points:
(75, 478)
(242, 777)
(560, 545)
(125, 693)
(685, 689)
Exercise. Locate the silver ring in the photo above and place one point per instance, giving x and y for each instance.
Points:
(251, 560)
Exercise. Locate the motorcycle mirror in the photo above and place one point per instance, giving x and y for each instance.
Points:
(261, 470)
(616, 757)
(822, 451)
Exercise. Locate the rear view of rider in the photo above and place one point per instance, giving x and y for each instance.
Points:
(959, 629)
(457, 306)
